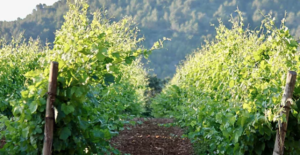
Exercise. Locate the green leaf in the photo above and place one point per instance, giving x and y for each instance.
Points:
(225, 133)
(66, 47)
(107, 134)
(242, 121)
(129, 59)
(294, 43)
(231, 83)
(146, 55)
(24, 94)
(83, 124)
(193, 123)
(116, 55)
(238, 132)
(231, 118)
(78, 92)
(25, 132)
(38, 130)
(132, 122)
(95, 77)
(65, 133)
(33, 107)
(84, 51)
(32, 73)
(100, 56)
(114, 68)
(115, 151)
(100, 36)
(67, 109)
(259, 148)
(33, 141)
(219, 117)
(17, 110)
(108, 60)
(98, 134)
(108, 79)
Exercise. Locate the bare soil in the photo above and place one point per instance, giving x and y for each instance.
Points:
(149, 138)
(2, 143)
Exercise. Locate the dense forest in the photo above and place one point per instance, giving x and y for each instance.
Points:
(186, 22)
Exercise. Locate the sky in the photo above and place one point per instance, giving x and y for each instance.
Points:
(12, 9)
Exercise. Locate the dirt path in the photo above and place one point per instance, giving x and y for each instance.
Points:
(150, 139)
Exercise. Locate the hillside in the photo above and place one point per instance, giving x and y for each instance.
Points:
(186, 22)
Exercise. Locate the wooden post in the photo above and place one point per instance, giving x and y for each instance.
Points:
(285, 101)
(49, 118)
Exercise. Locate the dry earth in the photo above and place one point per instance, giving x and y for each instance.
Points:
(149, 138)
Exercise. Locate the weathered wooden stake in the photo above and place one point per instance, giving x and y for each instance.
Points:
(49, 118)
(285, 101)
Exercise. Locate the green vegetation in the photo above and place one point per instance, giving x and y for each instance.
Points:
(227, 95)
(101, 85)
(17, 58)
(186, 22)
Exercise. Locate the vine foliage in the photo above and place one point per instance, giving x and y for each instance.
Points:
(101, 84)
(228, 93)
